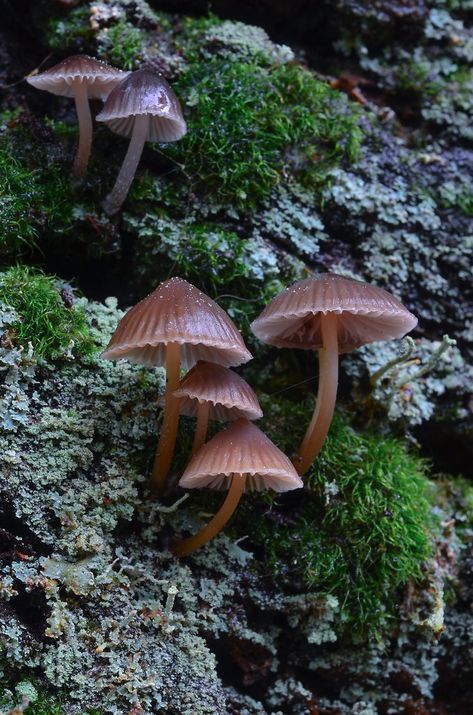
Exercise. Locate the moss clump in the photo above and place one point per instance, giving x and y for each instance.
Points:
(41, 702)
(361, 532)
(217, 255)
(252, 125)
(33, 195)
(241, 274)
(44, 319)
(72, 31)
(413, 76)
(122, 45)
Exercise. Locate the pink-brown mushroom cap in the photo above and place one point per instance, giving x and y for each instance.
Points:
(241, 450)
(177, 312)
(229, 396)
(99, 76)
(365, 313)
(144, 92)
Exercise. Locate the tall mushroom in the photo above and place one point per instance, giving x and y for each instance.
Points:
(214, 392)
(144, 108)
(175, 325)
(334, 315)
(83, 78)
(239, 458)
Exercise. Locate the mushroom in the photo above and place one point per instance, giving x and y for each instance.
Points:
(334, 315)
(83, 78)
(176, 324)
(145, 108)
(211, 391)
(240, 458)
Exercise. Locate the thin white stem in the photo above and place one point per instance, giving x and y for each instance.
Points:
(85, 128)
(326, 396)
(113, 202)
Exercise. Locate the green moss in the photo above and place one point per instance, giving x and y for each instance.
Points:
(34, 194)
(250, 126)
(242, 275)
(192, 30)
(45, 321)
(42, 702)
(413, 76)
(122, 45)
(226, 267)
(71, 31)
(361, 532)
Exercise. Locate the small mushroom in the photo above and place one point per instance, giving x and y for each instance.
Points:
(241, 458)
(83, 78)
(334, 315)
(176, 324)
(211, 391)
(144, 108)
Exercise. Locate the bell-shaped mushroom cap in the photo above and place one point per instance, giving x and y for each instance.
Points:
(144, 92)
(365, 313)
(241, 450)
(100, 77)
(228, 395)
(177, 312)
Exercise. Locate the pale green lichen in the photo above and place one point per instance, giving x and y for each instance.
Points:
(91, 449)
(17, 367)
(235, 40)
(407, 393)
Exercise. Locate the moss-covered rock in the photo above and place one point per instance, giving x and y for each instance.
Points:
(87, 580)
(45, 315)
(350, 153)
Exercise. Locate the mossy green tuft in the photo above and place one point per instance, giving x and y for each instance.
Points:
(361, 532)
(72, 31)
(44, 320)
(34, 193)
(122, 44)
(249, 126)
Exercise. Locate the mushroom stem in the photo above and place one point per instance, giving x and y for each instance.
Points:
(84, 117)
(201, 426)
(326, 396)
(167, 437)
(113, 202)
(186, 546)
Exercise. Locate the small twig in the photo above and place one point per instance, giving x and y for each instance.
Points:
(405, 353)
(171, 509)
(172, 593)
(446, 343)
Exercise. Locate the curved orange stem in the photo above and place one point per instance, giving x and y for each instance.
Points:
(167, 437)
(187, 546)
(326, 396)
(201, 426)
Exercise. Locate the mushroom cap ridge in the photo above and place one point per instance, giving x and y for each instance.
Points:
(144, 92)
(177, 312)
(228, 394)
(100, 77)
(241, 449)
(365, 313)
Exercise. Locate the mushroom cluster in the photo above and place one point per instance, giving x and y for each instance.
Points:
(140, 105)
(179, 326)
